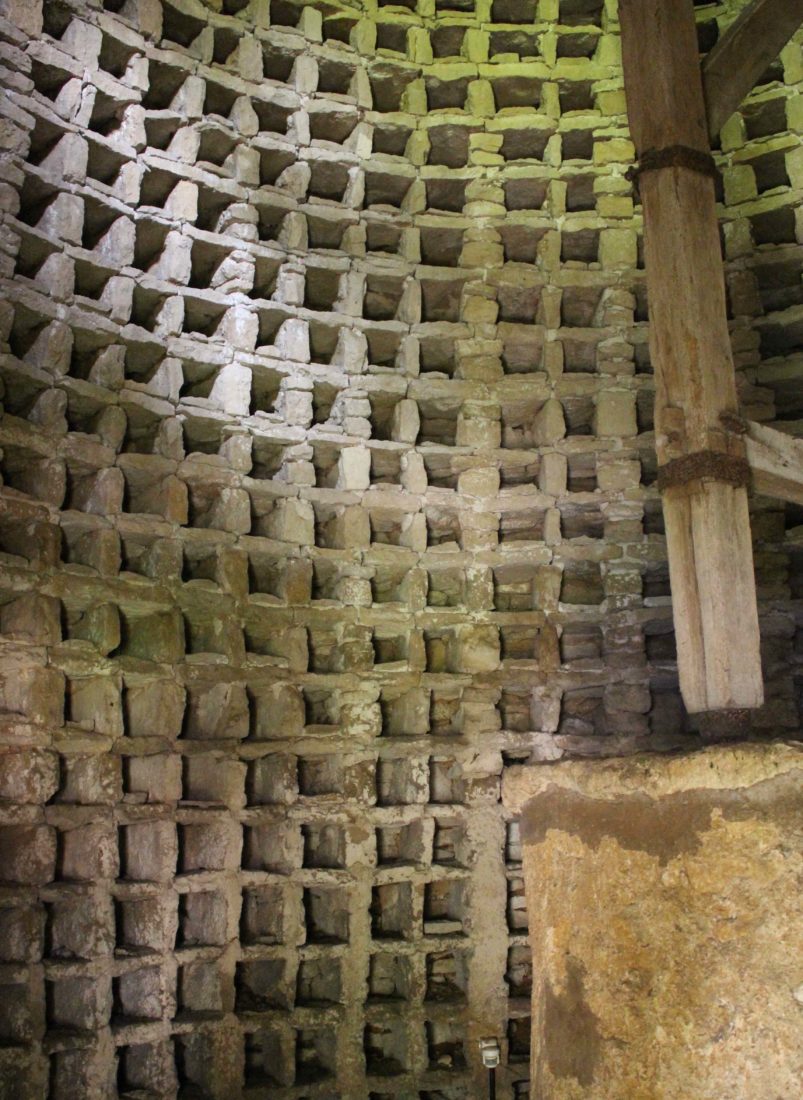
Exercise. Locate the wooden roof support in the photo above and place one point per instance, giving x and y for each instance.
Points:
(702, 464)
(776, 462)
(748, 46)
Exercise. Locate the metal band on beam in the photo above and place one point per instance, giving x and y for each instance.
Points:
(711, 465)
(674, 156)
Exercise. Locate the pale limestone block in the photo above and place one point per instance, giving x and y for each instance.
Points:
(48, 411)
(184, 145)
(414, 98)
(100, 494)
(478, 310)
(351, 350)
(166, 380)
(27, 854)
(360, 88)
(52, 349)
(249, 59)
(68, 159)
(293, 520)
(236, 449)
(174, 264)
(480, 432)
(482, 254)
(409, 310)
(794, 163)
(117, 245)
(413, 473)
(292, 340)
(24, 14)
(480, 99)
(240, 328)
(419, 48)
(614, 151)
(474, 649)
(155, 778)
(360, 141)
(740, 183)
(794, 114)
(553, 473)
(311, 24)
(63, 219)
(354, 195)
(245, 165)
(617, 474)
(415, 200)
(296, 407)
(305, 74)
(417, 147)
(475, 45)
(479, 482)
(243, 116)
(293, 235)
(414, 531)
(32, 618)
(235, 275)
(294, 180)
(150, 852)
(111, 425)
(549, 424)
(406, 421)
(231, 389)
(354, 469)
(83, 41)
(363, 36)
(615, 413)
(231, 511)
(552, 533)
(351, 292)
(618, 248)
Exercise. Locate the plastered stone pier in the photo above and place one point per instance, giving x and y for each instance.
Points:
(664, 903)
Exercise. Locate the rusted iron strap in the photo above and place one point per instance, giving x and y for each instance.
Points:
(704, 464)
(728, 724)
(673, 156)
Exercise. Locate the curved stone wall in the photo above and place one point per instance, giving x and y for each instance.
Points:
(328, 492)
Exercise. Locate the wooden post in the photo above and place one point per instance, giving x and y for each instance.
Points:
(702, 468)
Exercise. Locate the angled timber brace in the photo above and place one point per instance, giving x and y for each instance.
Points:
(708, 456)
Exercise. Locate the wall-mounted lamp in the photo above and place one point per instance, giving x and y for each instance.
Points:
(489, 1050)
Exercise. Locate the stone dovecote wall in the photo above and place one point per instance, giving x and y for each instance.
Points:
(327, 491)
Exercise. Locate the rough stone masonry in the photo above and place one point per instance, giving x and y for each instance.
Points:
(328, 491)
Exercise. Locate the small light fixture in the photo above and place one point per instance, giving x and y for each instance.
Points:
(489, 1050)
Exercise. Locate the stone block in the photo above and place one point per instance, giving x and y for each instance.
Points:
(737, 804)
(88, 852)
(27, 854)
(615, 414)
(28, 776)
(149, 851)
(549, 425)
(81, 927)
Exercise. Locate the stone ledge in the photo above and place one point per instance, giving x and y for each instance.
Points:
(720, 767)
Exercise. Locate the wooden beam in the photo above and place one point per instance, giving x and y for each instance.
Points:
(701, 464)
(748, 46)
(776, 462)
